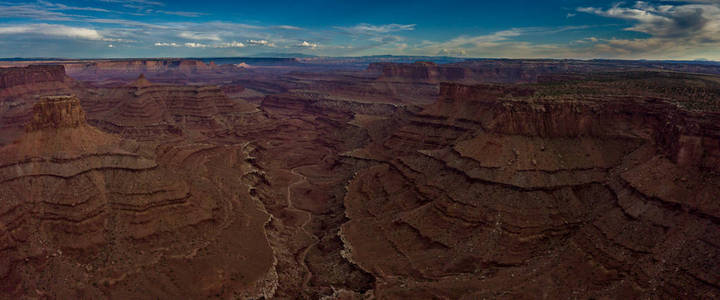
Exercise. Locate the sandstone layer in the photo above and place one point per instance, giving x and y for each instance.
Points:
(111, 72)
(594, 179)
(487, 194)
(514, 71)
(144, 110)
(19, 89)
(87, 214)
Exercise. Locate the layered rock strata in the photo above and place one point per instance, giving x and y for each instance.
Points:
(145, 111)
(19, 89)
(577, 186)
(486, 195)
(517, 71)
(87, 214)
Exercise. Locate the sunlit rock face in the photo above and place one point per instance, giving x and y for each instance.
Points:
(57, 112)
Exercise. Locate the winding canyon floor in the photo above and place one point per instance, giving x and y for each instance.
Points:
(409, 182)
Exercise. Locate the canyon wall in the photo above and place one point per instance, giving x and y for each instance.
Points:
(496, 72)
(30, 81)
(357, 186)
(492, 193)
(136, 67)
(88, 214)
(518, 71)
(20, 88)
(163, 70)
(12, 77)
(689, 137)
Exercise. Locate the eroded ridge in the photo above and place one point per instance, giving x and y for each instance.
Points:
(144, 110)
(88, 214)
(20, 89)
(487, 194)
(380, 183)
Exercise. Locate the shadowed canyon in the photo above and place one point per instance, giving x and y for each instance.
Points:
(322, 178)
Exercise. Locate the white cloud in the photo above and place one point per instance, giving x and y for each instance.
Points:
(145, 2)
(233, 44)
(181, 13)
(364, 28)
(586, 40)
(58, 6)
(502, 43)
(676, 29)
(672, 21)
(287, 27)
(452, 52)
(159, 44)
(53, 30)
(30, 11)
(126, 23)
(195, 45)
(200, 36)
(462, 45)
(265, 43)
(306, 44)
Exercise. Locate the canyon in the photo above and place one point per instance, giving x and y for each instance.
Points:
(319, 179)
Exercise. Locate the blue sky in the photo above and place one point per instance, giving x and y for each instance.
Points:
(661, 29)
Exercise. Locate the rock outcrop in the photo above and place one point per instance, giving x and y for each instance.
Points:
(88, 214)
(18, 84)
(34, 74)
(57, 112)
(161, 70)
(356, 185)
(420, 72)
(140, 82)
(20, 87)
(144, 110)
(493, 192)
(137, 67)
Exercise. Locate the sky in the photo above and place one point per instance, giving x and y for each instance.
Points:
(660, 29)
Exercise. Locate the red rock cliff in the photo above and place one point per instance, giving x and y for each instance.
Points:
(689, 138)
(11, 77)
(420, 71)
(136, 67)
(20, 89)
(57, 112)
